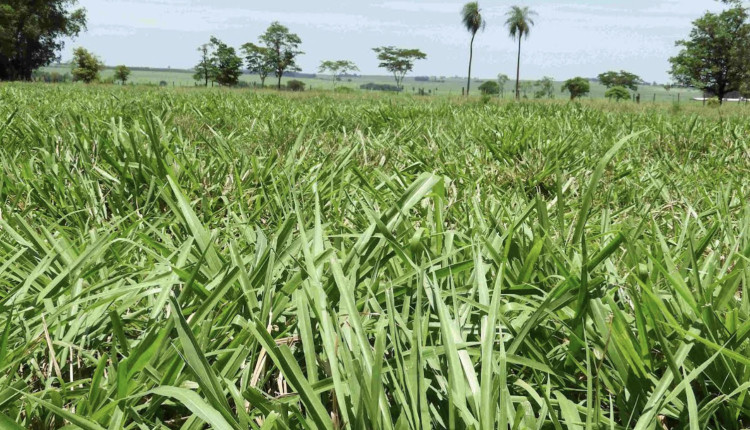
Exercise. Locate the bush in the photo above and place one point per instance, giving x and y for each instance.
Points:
(163, 84)
(490, 88)
(380, 87)
(617, 93)
(344, 90)
(713, 102)
(295, 85)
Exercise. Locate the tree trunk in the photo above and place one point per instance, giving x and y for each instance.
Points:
(279, 84)
(518, 69)
(471, 57)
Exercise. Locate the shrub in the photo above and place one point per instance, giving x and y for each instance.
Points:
(380, 87)
(490, 88)
(163, 84)
(617, 93)
(295, 85)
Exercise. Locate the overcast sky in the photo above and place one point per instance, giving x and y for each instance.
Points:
(571, 37)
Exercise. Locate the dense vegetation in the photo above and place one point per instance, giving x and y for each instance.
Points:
(171, 258)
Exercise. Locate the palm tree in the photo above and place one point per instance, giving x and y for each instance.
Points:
(472, 19)
(519, 24)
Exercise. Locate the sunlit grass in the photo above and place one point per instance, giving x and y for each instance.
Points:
(183, 259)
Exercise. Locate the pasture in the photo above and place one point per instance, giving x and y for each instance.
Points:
(444, 86)
(188, 258)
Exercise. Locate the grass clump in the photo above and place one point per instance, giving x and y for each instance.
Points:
(182, 259)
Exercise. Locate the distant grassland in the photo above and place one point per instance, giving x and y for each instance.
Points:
(448, 87)
(180, 258)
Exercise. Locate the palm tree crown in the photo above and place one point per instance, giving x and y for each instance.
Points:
(471, 17)
(520, 21)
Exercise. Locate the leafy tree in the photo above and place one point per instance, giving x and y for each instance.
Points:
(620, 79)
(577, 87)
(398, 61)
(617, 93)
(227, 65)
(526, 87)
(283, 49)
(546, 88)
(471, 17)
(502, 79)
(122, 73)
(258, 61)
(519, 24)
(490, 88)
(86, 66)
(337, 68)
(206, 69)
(32, 32)
(716, 57)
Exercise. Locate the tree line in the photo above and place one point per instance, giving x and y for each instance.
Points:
(714, 58)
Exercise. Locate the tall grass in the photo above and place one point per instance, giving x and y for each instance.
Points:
(183, 259)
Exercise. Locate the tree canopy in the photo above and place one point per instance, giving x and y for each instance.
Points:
(122, 72)
(86, 66)
(490, 88)
(716, 57)
(227, 65)
(258, 61)
(617, 93)
(204, 70)
(32, 33)
(577, 87)
(398, 61)
(545, 88)
(337, 68)
(620, 79)
(283, 49)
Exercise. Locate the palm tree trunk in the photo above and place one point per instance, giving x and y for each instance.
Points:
(471, 57)
(518, 70)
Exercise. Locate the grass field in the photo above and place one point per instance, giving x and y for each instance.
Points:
(185, 259)
(450, 86)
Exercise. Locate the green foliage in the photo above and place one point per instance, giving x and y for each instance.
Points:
(86, 66)
(283, 49)
(545, 88)
(205, 71)
(371, 86)
(489, 87)
(398, 61)
(337, 68)
(716, 57)
(122, 73)
(502, 79)
(258, 60)
(620, 79)
(32, 33)
(226, 64)
(295, 85)
(617, 93)
(577, 87)
(357, 262)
